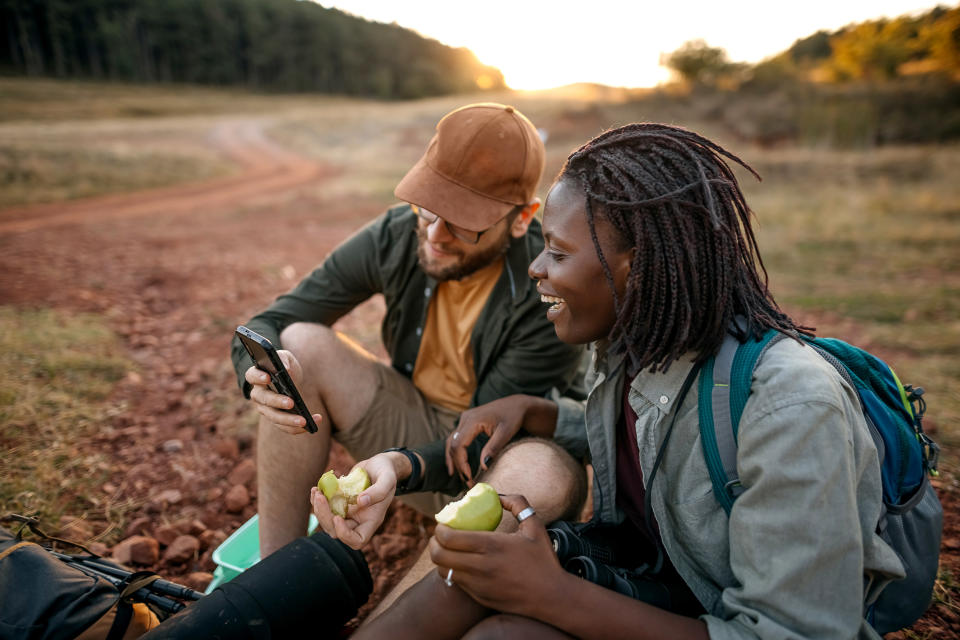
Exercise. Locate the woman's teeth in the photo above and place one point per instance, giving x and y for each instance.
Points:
(551, 300)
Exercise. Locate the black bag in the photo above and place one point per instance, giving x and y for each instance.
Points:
(45, 597)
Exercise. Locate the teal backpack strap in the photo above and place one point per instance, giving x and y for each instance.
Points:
(723, 392)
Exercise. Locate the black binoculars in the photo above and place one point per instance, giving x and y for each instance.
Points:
(589, 552)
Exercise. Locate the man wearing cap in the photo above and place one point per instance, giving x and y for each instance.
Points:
(464, 324)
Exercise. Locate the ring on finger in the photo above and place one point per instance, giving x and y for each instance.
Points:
(526, 513)
(456, 434)
(449, 579)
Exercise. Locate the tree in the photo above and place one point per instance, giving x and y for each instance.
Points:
(696, 62)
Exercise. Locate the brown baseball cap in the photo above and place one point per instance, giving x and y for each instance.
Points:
(485, 159)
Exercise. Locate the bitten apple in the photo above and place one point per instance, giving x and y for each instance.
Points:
(344, 490)
(478, 510)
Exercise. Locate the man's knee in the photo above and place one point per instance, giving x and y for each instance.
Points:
(303, 337)
(545, 474)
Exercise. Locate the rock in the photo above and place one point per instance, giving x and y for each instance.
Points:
(206, 562)
(212, 538)
(237, 498)
(182, 549)
(74, 528)
(192, 527)
(99, 548)
(137, 550)
(174, 445)
(197, 580)
(170, 496)
(243, 473)
(226, 447)
(187, 434)
(166, 534)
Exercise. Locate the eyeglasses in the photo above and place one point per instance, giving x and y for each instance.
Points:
(470, 237)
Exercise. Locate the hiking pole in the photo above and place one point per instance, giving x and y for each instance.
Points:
(164, 587)
(167, 605)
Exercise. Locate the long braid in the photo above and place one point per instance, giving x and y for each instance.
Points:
(671, 195)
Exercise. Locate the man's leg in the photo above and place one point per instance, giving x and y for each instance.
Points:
(550, 479)
(339, 383)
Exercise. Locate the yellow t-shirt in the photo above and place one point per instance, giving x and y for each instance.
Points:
(444, 371)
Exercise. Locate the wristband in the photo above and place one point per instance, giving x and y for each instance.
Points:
(412, 483)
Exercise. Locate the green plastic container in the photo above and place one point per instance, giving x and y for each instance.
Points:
(240, 551)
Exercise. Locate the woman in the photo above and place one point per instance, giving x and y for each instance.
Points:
(651, 256)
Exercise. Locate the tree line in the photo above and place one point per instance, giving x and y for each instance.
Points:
(887, 81)
(269, 45)
(874, 51)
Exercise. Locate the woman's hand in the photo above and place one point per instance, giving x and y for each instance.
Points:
(365, 517)
(501, 420)
(508, 572)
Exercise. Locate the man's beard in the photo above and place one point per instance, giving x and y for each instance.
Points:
(467, 265)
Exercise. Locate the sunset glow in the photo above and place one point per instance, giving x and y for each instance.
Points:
(540, 44)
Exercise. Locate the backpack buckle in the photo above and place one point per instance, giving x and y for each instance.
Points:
(931, 453)
(733, 488)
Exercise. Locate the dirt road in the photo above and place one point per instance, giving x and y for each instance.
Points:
(264, 168)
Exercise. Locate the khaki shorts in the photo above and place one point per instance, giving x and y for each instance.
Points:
(400, 416)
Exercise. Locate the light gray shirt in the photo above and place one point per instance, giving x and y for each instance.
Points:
(798, 556)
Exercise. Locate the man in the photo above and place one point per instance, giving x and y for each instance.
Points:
(464, 324)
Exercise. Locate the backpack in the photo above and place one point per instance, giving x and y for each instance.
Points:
(48, 595)
(911, 520)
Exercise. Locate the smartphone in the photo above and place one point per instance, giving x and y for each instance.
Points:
(267, 359)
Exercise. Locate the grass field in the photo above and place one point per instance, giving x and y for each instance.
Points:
(861, 244)
(58, 371)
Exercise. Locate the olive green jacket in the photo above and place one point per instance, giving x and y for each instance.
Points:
(515, 349)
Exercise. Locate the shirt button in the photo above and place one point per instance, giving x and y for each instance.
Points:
(664, 399)
(419, 331)
(426, 292)
(408, 366)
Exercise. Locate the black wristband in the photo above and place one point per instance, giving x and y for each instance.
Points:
(412, 483)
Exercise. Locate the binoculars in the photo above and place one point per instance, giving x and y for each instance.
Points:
(589, 552)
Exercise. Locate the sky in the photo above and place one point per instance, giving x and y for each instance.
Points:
(539, 44)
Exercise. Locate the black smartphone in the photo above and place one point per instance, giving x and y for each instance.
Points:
(267, 359)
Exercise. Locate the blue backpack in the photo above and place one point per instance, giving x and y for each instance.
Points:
(912, 519)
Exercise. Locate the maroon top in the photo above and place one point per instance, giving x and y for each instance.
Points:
(630, 491)
(630, 496)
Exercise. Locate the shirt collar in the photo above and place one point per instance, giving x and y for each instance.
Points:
(517, 262)
(661, 389)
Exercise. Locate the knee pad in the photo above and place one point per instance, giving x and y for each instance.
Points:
(310, 587)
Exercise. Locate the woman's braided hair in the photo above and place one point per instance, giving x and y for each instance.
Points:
(673, 198)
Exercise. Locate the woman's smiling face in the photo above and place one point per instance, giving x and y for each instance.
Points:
(568, 271)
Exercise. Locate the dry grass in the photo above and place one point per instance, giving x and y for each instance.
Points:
(56, 372)
(865, 244)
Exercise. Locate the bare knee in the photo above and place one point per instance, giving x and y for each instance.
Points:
(552, 481)
(507, 625)
(306, 337)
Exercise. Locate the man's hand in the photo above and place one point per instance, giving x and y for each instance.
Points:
(364, 518)
(501, 420)
(276, 407)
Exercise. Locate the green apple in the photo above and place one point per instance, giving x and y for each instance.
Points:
(343, 491)
(478, 510)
